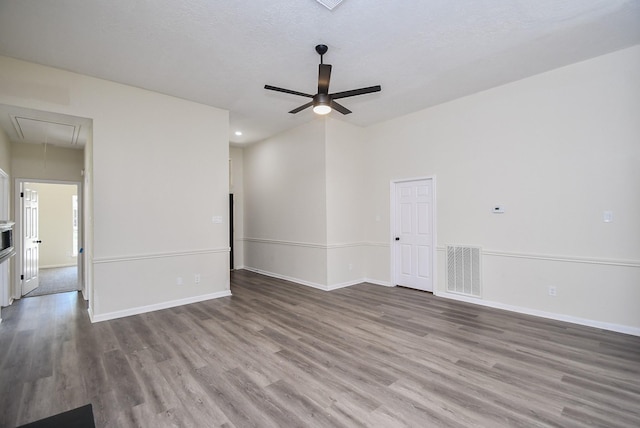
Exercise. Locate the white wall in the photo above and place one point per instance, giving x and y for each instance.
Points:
(344, 145)
(85, 258)
(55, 223)
(30, 161)
(285, 205)
(557, 150)
(5, 180)
(304, 204)
(152, 216)
(5, 211)
(5, 152)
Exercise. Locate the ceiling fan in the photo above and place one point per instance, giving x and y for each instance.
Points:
(323, 102)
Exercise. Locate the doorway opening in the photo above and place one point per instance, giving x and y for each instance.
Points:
(49, 236)
(231, 263)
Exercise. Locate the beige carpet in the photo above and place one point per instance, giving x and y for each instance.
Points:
(56, 280)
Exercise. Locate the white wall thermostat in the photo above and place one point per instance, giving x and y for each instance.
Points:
(498, 209)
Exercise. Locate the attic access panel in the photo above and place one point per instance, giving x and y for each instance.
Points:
(329, 4)
(40, 131)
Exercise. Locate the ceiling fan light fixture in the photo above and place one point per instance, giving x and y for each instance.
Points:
(321, 104)
(322, 109)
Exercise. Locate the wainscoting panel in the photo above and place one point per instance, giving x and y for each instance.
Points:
(595, 292)
(305, 263)
(121, 283)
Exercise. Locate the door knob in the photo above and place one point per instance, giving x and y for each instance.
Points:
(397, 238)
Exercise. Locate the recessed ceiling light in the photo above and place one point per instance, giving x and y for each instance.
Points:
(238, 133)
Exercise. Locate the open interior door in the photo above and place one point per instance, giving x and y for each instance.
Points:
(30, 240)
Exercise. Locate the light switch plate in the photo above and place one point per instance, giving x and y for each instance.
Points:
(607, 216)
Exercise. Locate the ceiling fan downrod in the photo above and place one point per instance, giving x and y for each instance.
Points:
(321, 49)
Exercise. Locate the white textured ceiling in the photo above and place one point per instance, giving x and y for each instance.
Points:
(222, 53)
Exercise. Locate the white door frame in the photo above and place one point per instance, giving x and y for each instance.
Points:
(18, 237)
(392, 224)
(5, 279)
(4, 195)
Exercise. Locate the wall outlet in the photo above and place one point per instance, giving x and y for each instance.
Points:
(179, 281)
(552, 291)
(197, 278)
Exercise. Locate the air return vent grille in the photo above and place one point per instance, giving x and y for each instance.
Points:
(463, 270)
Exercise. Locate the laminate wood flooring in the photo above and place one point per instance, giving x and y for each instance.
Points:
(277, 354)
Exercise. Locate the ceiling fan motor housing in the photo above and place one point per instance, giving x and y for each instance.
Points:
(320, 99)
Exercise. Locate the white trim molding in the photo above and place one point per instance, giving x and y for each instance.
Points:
(559, 258)
(304, 282)
(316, 245)
(378, 282)
(129, 258)
(543, 314)
(377, 244)
(289, 243)
(157, 306)
(287, 278)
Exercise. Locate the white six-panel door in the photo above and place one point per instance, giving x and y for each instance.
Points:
(31, 241)
(414, 238)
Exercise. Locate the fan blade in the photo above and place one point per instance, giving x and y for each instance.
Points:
(324, 76)
(354, 92)
(302, 107)
(287, 91)
(342, 109)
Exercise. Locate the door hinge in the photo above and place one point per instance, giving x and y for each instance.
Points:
(21, 277)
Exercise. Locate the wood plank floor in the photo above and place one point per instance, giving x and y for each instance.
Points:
(277, 354)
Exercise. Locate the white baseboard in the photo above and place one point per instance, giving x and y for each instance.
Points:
(344, 284)
(378, 282)
(57, 266)
(156, 307)
(304, 282)
(634, 331)
(316, 285)
(288, 278)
